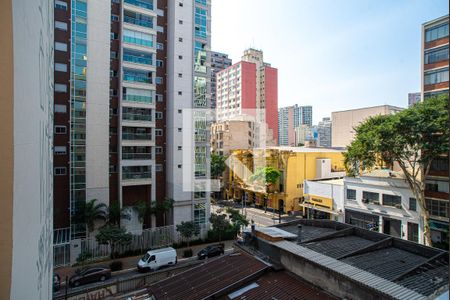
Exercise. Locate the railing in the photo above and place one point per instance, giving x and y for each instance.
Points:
(136, 98)
(136, 117)
(136, 136)
(143, 23)
(136, 156)
(137, 59)
(143, 4)
(136, 78)
(141, 42)
(136, 175)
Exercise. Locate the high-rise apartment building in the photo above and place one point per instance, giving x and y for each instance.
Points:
(435, 55)
(435, 81)
(249, 87)
(219, 62)
(324, 133)
(344, 122)
(413, 98)
(125, 72)
(26, 182)
(303, 134)
(290, 118)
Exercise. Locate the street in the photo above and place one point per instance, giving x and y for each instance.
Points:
(258, 215)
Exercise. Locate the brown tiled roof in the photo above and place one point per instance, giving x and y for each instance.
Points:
(210, 278)
(281, 285)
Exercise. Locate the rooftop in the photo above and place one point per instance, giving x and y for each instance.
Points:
(384, 173)
(392, 266)
(370, 107)
(306, 149)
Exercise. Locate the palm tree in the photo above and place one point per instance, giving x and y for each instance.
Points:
(164, 207)
(115, 214)
(92, 212)
(145, 210)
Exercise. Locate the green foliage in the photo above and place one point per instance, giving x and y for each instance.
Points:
(411, 138)
(220, 224)
(145, 209)
(217, 165)
(90, 212)
(83, 257)
(113, 236)
(237, 219)
(265, 175)
(188, 230)
(115, 213)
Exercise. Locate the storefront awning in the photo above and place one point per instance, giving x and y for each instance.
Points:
(323, 209)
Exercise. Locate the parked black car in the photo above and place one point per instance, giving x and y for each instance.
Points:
(211, 251)
(56, 282)
(89, 275)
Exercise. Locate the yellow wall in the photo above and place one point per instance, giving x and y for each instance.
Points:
(301, 166)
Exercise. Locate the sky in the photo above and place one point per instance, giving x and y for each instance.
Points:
(331, 54)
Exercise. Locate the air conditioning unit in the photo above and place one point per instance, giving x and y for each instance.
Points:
(365, 200)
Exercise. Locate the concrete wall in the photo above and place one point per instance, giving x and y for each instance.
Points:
(97, 100)
(26, 122)
(343, 122)
(327, 189)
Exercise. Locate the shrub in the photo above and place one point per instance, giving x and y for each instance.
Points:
(187, 253)
(116, 266)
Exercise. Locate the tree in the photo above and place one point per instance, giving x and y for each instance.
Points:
(188, 230)
(115, 214)
(91, 212)
(164, 207)
(145, 210)
(413, 138)
(217, 165)
(219, 224)
(113, 236)
(237, 219)
(267, 176)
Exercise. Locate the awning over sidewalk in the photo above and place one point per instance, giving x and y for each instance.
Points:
(323, 209)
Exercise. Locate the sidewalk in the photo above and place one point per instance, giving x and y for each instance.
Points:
(131, 262)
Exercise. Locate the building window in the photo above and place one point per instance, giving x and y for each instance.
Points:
(180, 4)
(351, 194)
(180, 56)
(60, 150)
(180, 22)
(180, 148)
(61, 25)
(369, 197)
(180, 75)
(160, 46)
(60, 129)
(60, 108)
(60, 46)
(113, 54)
(437, 76)
(180, 130)
(158, 80)
(158, 115)
(436, 55)
(60, 88)
(114, 17)
(158, 150)
(158, 132)
(114, 36)
(436, 32)
(138, 38)
(437, 208)
(180, 111)
(392, 200)
(180, 39)
(413, 232)
(199, 213)
(60, 67)
(413, 204)
(112, 168)
(159, 98)
(60, 5)
(60, 171)
(179, 166)
(158, 168)
(159, 63)
(439, 164)
(180, 93)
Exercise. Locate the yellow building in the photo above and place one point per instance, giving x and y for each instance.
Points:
(296, 164)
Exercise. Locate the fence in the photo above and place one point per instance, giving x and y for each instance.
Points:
(141, 241)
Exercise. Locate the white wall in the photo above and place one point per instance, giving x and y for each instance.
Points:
(33, 130)
(327, 189)
(97, 100)
(389, 186)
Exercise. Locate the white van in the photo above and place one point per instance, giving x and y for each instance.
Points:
(155, 259)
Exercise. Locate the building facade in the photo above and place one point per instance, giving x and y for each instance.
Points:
(343, 122)
(303, 134)
(413, 98)
(435, 81)
(219, 62)
(435, 55)
(290, 118)
(249, 87)
(296, 164)
(125, 71)
(324, 133)
(26, 160)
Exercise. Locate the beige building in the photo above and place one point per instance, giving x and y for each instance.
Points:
(344, 122)
(238, 133)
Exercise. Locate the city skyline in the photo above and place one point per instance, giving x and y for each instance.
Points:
(386, 78)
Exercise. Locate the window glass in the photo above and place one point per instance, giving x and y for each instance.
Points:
(436, 55)
(370, 197)
(351, 194)
(436, 32)
(437, 76)
(392, 200)
(62, 88)
(412, 204)
(60, 67)
(60, 46)
(61, 25)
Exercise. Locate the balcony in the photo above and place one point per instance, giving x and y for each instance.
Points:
(139, 78)
(147, 23)
(137, 156)
(138, 98)
(136, 175)
(141, 3)
(137, 59)
(136, 117)
(137, 136)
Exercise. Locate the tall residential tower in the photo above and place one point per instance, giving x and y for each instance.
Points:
(290, 118)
